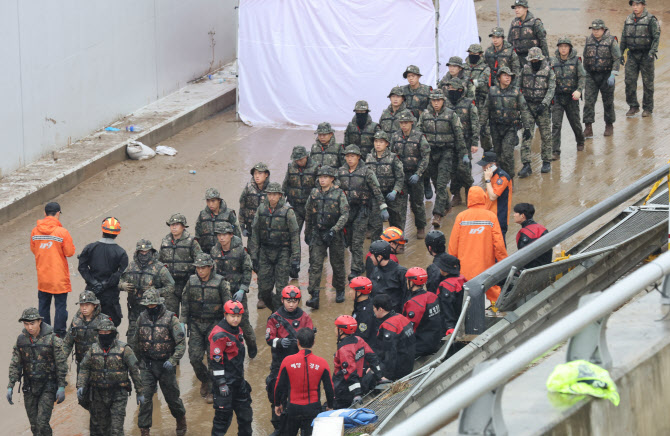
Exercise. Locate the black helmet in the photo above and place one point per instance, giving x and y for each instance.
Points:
(435, 239)
(381, 248)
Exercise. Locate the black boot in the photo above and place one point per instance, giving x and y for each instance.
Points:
(546, 167)
(525, 171)
(313, 302)
(339, 296)
(427, 189)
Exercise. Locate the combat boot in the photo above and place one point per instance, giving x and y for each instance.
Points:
(146, 432)
(456, 200)
(209, 398)
(555, 156)
(428, 191)
(313, 302)
(588, 130)
(646, 113)
(181, 426)
(546, 167)
(632, 111)
(252, 349)
(436, 221)
(525, 171)
(580, 146)
(609, 129)
(420, 233)
(339, 296)
(204, 389)
(260, 304)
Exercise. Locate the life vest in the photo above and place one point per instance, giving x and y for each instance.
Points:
(504, 105)
(534, 85)
(273, 227)
(155, 338)
(522, 34)
(37, 355)
(384, 169)
(326, 207)
(417, 99)
(408, 149)
(597, 54)
(364, 138)
(354, 184)
(567, 73)
(176, 255)
(204, 299)
(299, 183)
(230, 264)
(206, 222)
(637, 32)
(439, 128)
(107, 368)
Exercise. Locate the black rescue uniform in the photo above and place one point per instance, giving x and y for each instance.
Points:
(423, 311)
(352, 359)
(395, 346)
(390, 280)
(529, 233)
(450, 294)
(367, 322)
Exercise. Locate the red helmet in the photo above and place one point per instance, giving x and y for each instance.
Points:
(111, 226)
(291, 292)
(233, 307)
(361, 284)
(417, 275)
(393, 234)
(347, 324)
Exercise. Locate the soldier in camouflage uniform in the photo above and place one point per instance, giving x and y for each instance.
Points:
(103, 378)
(387, 166)
(416, 94)
(216, 211)
(204, 295)
(506, 111)
(253, 195)
(299, 181)
(234, 263)
(39, 360)
(465, 107)
(478, 73)
(641, 35)
(274, 246)
(570, 76)
(456, 71)
(326, 151)
(444, 134)
(145, 272)
(327, 211)
(388, 122)
(526, 32)
(538, 84)
(360, 185)
(361, 130)
(159, 344)
(501, 54)
(410, 144)
(601, 62)
(82, 332)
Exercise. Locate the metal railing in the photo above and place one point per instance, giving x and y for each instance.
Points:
(437, 414)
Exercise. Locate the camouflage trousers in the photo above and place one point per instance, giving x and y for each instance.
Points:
(133, 314)
(299, 210)
(484, 128)
(375, 222)
(274, 264)
(39, 402)
(198, 348)
(543, 121)
(563, 103)
(317, 255)
(596, 82)
(108, 411)
(414, 193)
(354, 233)
(638, 63)
(152, 375)
(505, 138)
(461, 173)
(439, 171)
(173, 300)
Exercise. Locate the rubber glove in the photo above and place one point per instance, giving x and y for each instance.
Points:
(60, 395)
(328, 237)
(239, 295)
(466, 159)
(224, 391)
(140, 400)
(168, 365)
(10, 392)
(245, 233)
(611, 80)
(391, 195)
(358, 399)
(385, 215)
(286, 342)
(80, 394)
(414, 179)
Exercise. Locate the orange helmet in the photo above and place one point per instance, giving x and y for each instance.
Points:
(417, 275)
(111, 225)
(393, 234)
(347, 324)
(361, 284)
(291, 292)
(233, 307)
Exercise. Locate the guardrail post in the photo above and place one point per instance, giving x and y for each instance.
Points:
(483, 417)
(665, 291)
(591, 343)
(475, 319)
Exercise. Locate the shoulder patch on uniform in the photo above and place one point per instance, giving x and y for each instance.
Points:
(500, 182)
(362, 326)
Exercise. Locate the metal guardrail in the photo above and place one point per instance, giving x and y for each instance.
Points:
(435, 415)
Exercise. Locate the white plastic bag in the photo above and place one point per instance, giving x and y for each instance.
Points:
(138, 151)
(165, 150)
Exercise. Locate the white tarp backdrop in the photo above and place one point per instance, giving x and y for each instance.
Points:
(458, 29)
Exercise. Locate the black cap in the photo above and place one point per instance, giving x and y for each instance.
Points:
(489, 157)
(448, 263)
(51, 208)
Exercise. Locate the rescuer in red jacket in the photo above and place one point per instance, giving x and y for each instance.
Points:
(299, 382)
(450, 290)
(423, 311)
(356, 365)
(395, 344)
(530, 232)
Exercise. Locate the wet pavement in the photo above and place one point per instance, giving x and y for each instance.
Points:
(221, 151)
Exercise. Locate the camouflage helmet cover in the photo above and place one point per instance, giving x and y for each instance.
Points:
(380, 134)
(106, 324)
(406, 115)
(324, 128)
(397, 90)
(497, 31)
(456, 83)
(362, 105)
(456, 61)
(260, 166)
(535, 54)
(273, 188)
(203, 259)
(437, 94)
(411, 69)
(88, 297)
(144, 245)
(30, 314)
(327, 171)
(598, 24)
(151, 296)
(299, 152)
(564, 40)
(475, 48)
(523, 3)
(352, 149)
(505, 70)
(177, 218)
(212, 193)
(223, 227)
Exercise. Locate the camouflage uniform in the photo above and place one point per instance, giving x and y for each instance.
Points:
(298, 183)
(204, 225)
(444, 134)
(442, 84)
(570, 77)
(274, 247)
(82, 333)
(158, 340)
(601, 59)
(414, 152)
(641, 36)
(416, 100)
(363, 138)
(538, 89)
(505, 57)
(391, 177)
(326, 155)
(326, 211)
(526, 34)
(139, 277)
(104, 377)
(360, 186)
(202, 308)
(388, 122)
(506, 111)
(252, 196)
(479, 74)
(42, 365)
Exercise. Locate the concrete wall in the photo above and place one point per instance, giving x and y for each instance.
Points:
(71, 67)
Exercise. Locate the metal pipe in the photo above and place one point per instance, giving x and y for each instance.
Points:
(435, 415)
(457, 328)
(498, 11)
(437, 41)
(237, 67)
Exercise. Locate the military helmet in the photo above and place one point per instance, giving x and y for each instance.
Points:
(437, 94)
(497, 31)
(406, 115)
(87, 297)
(327, 171)
(203, 259)
(505, 70)
(274, 188)
(362, 105)
(456, 83)
(535, 54)
(324, 128)
(380, 134)
(144, 245)
(523, 3)
(411, 69)
(475, 48)
(630, 2)
(151, 296)
(564, 40)
(352, 149)
(177, 218)
(260, 166)
(397, 90)
(30, 314)
(381, 248)
(223, 227)
(598, 24)
(456, 61)
(106, 324)
(212, 193)
(299, 152)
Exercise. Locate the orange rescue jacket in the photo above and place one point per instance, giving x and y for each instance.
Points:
(51, 244)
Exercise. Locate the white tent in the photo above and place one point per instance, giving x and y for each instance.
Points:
(302, 62)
